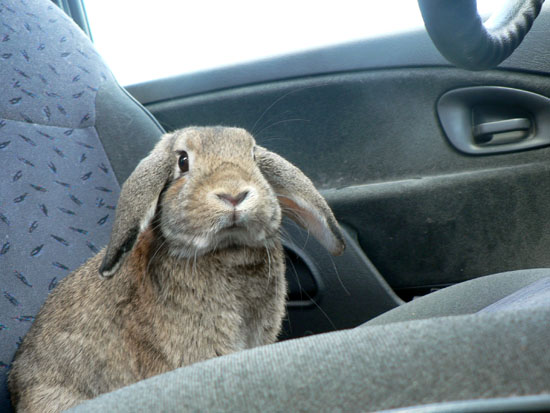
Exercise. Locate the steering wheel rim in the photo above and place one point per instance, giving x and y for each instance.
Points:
(458, 32)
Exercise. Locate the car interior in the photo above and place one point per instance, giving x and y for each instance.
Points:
(431, 146)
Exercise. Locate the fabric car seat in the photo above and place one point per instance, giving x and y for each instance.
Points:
(69, 135)
(479, 346)
(60, 109)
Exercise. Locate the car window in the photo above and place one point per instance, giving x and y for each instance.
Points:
(143, 41)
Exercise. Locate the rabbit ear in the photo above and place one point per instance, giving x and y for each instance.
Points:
(299, 199)
(137, 204)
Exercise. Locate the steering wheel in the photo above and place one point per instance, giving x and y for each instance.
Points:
(463, 39)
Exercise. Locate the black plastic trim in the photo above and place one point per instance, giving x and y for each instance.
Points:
(347, 282)
(126, 129)
(307, 297)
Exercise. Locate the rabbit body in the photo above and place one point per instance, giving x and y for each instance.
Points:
(94, 336)
(197, 266)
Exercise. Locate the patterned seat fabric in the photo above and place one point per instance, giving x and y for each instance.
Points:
(57, 190)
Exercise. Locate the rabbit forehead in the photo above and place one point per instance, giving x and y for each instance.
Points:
(217, 141)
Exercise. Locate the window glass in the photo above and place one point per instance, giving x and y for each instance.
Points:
(145, 40)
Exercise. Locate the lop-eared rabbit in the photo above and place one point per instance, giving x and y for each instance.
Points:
(194, 269)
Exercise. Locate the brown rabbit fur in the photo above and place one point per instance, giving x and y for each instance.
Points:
(198, 271)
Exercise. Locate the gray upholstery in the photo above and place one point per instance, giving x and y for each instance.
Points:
(464, 298)
(534, 295)
(57, 187)
(451, 358)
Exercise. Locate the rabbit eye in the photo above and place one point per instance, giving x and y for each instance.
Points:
(183, 162)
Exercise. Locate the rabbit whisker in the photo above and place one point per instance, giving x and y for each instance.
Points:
(282, 121)
(155, 254)
(194, 264)
(321, 310)
(299, 223)
(273, 138)
(297, 278)
(270, 106)
(338, 276)
(280, 98)
(268, 266)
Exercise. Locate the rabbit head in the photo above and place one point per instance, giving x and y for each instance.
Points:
(211, 188)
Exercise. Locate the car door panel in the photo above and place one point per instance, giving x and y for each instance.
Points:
(418, 211)
(426, 214)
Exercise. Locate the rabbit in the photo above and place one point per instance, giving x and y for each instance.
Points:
(194, 269)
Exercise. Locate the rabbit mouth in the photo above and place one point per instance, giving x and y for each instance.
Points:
(232, 235)
(240, 234)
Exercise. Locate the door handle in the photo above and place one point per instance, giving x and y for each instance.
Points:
(502, 131)
(487, 120)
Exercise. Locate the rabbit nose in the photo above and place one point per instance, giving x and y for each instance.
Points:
(233, 200)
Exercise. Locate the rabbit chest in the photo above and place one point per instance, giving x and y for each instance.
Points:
(213, 304)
